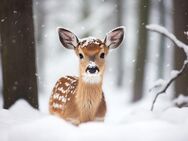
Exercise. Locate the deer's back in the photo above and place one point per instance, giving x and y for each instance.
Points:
(62, 97)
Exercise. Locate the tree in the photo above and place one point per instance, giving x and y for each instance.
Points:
(162, 41)
(180, 26)
(18, 52)
(86, 13)
(120, 58)
(141, 50)
(160, 87)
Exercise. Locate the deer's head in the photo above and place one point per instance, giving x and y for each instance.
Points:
(91, 52)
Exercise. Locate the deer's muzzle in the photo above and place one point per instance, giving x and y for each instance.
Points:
(92, 68)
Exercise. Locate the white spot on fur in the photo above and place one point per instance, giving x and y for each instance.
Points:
(64, 100)
(59, 98)
(67, 84)
(73, 91)
(56, 105)
(60, 88)
(56, 96)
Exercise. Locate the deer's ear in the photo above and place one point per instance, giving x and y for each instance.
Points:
(67, 38)
(114, 38)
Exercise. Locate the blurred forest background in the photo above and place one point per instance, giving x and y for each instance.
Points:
(28, 36)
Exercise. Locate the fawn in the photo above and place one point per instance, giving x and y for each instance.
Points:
(81, 99)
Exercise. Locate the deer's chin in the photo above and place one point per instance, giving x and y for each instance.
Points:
(91, 78)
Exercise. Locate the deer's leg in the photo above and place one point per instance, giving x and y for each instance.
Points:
(74, 121)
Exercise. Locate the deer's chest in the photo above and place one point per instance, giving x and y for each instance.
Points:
(88, 104)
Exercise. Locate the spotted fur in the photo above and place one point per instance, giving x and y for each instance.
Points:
(81, 99)
(67, 103)
(62, 93)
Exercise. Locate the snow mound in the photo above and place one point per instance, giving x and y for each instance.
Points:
(181, 101)
(22, 123)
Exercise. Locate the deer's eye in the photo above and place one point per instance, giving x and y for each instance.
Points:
(81, 56)
(102, 55)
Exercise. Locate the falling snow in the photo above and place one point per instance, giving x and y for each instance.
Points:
(15, 12)
(2, 20)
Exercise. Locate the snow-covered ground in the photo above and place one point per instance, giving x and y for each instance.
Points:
(130, 122)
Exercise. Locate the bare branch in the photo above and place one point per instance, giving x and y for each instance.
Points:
(165, 32)
(180, 72)
(179, 44)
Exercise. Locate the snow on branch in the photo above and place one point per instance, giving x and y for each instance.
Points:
(164, 86)
(165, 32)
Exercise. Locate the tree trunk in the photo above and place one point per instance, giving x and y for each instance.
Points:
(18, 52)
(162, 42)
(85, 14)
(141, 50)
(180, 26)
(120, 58)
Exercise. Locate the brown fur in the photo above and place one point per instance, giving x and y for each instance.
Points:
(84, 102)
(81, 99)
(88, 100)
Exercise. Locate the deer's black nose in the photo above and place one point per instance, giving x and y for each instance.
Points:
(92, 69)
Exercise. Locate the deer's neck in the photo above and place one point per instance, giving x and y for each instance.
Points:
(88, 99)
(86, 91)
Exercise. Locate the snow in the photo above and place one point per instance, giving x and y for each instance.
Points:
(159, 84)
(89, 40)
(186, 33)
(2, 20)
(181, 100)
(92, 64)
(22, 122)
(123, 121)
(174, 73)
(15, 12)
(171, 36)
